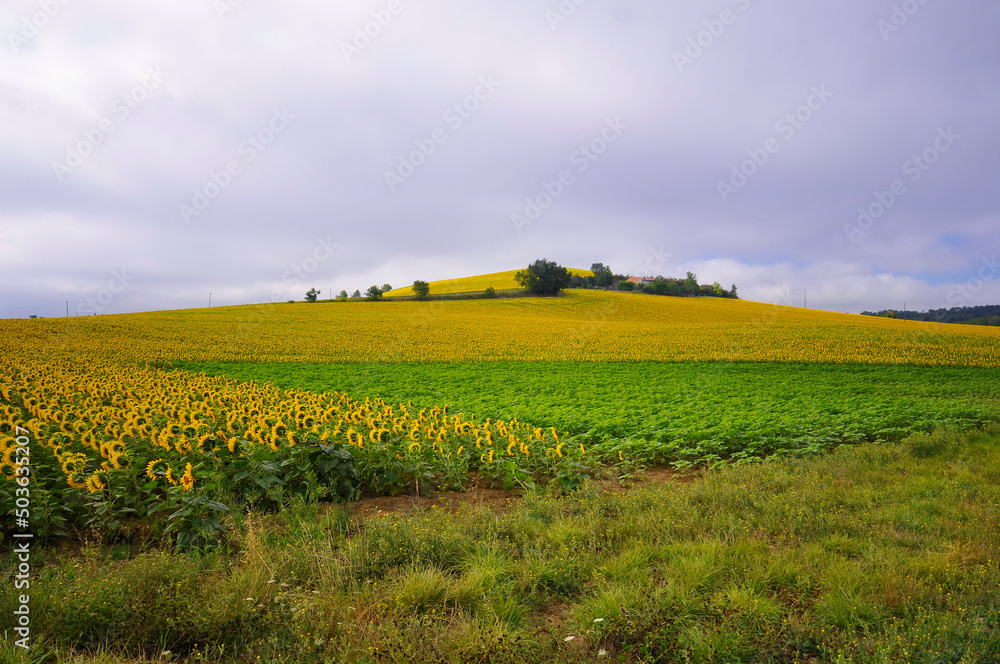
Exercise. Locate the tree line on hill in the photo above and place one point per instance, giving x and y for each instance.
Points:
(545, 277)
(980, 315)
(548, 278)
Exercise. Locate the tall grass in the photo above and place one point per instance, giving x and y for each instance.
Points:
(874, 553)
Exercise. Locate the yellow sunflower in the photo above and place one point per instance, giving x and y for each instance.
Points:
(187, 479)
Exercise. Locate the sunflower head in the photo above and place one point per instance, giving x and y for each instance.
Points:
(187, 479)
(152, 470)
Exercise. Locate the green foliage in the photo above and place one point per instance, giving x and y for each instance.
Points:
(356, 294)
(602, 275)
(421, 288)
(689, 414)
(343, 295)
(489, 293)
(250, 475)
(373, 293)
(311, 295)
(544, 277)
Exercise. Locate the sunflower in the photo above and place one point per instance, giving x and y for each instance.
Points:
(94, 484)
(170, 476)
(187, 479)
(355, 438)
(150, 472)
(73, 464)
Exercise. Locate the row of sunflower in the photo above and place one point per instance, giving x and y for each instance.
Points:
(117, 435)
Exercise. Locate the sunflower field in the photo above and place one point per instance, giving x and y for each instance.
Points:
(112, 442)
(119, 433)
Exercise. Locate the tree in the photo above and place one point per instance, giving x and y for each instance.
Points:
(732, 292)
(626, 285)
(691, 284)
(544, 277)
(357, 293)
(373, 293)
(343, 295)
(311, 295)
(386, 288)
(602, 275)
(489, 293)
(421, 288)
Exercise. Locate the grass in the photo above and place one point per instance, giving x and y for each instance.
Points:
(873, 553)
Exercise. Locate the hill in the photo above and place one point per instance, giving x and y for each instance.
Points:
(498, 280)
(787, 549)
(581, 325)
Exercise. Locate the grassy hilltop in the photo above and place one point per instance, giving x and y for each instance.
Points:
(498, 281)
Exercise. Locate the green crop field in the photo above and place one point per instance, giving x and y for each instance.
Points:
(673, 412)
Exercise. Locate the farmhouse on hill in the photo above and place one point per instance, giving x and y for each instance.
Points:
(641, 281)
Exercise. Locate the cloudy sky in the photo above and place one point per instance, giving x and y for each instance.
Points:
(154, 153)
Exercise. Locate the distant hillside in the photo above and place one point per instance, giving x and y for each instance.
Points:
(984, 315)
(498, 280)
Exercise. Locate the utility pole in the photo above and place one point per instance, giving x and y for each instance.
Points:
(904, 311)
(67, 308)
(805, 298)
(210, 300)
